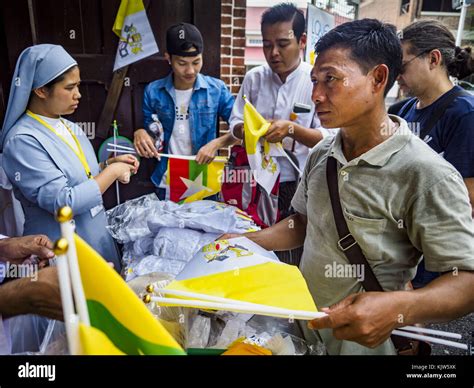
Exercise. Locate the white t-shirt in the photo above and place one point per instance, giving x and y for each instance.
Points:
(180, 141)
(61, 129)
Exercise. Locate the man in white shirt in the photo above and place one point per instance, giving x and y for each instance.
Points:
(28, 295)
(275, 88)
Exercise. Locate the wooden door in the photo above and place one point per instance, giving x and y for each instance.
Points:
(84, 29)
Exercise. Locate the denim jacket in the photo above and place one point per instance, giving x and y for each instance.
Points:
(210, 99)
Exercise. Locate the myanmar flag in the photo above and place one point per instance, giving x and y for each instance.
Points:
(189, 181)
(95, 343)
(120, 321)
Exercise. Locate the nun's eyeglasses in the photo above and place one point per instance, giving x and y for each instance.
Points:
(404, 65)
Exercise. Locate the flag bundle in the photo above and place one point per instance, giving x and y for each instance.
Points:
(110, 318)
(188, 181)
(136, 37)
(238, 275)
(261, 154)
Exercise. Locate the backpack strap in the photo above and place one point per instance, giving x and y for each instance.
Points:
(407, 107)
(439, 112)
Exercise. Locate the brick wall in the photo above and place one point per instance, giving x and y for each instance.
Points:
(388, 11)
(233, 43)
(232, 47)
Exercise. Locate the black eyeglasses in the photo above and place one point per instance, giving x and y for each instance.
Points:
(404, 65)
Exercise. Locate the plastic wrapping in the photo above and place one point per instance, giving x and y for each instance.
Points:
(36, 335)
(280, 336)
(207, 216)
(150, 264)
(172, 318)
(128, 222)
(180, 244)
(199, 332)
(162, 236)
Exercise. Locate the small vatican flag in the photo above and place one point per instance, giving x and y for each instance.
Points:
(136, 37)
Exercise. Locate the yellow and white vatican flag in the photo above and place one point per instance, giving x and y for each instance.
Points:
(239, 275)
(136, 36)
(261, 154)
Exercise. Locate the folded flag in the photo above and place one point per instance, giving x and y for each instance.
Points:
(136, 37)
(241, 270)
(262, 162)
(189, 181)
(116, 312)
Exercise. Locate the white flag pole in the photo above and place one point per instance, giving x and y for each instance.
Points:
(65, 218)
(117, 187)
(69, 314)
(233, 303)
(430, 339)
(241, 308)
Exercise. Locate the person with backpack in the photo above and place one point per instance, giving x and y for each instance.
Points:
(439, 112)
(275, 88)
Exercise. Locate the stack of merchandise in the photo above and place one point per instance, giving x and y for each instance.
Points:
(162, 236)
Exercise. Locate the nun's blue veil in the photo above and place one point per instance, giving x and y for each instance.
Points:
(36, 66)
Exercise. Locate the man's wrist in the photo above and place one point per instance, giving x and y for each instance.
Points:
(406, 303)
(292, 129)
(16, 297)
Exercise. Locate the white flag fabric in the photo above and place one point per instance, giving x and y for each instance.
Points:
(261, 154)
(136, 37)
(240, 270)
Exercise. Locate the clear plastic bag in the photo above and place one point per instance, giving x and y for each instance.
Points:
(207, 216)
(36, 335)
(128, 222)
(281, 336)
(159, 236)
(172, 318)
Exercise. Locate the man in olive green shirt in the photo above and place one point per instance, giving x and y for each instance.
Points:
(399, 198)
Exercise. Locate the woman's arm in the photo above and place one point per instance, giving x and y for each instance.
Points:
(31, 169)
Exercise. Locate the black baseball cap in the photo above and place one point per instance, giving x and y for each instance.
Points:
(181, 37)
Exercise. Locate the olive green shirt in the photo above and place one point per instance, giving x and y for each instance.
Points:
(400, 200)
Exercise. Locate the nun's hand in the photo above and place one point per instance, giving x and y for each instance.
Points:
(128, 159)
(122, 171)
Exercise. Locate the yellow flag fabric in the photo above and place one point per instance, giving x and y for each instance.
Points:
(239, 269)
(127, 7)
(255, 126)
(136, 36)
(96, 343)
(115, 310)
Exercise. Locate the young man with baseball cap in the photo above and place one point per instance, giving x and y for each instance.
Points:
(183, 108)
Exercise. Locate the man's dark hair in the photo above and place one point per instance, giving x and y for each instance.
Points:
(285, 12)
(427, 35)
(371, 43)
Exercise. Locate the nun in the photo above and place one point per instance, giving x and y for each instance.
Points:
(49, 160)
